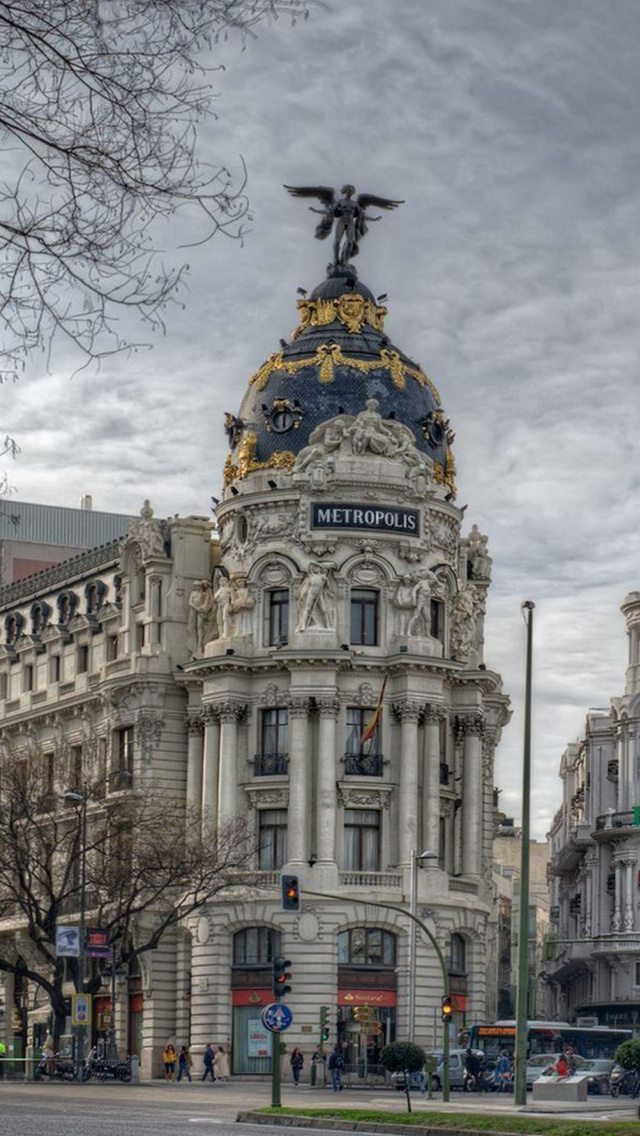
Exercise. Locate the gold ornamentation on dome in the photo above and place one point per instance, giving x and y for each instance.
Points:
(246, 461)
(446, 474)
(330, 355)
(351, 309)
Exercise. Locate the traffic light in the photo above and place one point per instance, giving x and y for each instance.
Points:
(290, 893)
(447, 1008)
(324, 1023)
(281, 976)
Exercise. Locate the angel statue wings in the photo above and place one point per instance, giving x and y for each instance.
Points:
(348, 212)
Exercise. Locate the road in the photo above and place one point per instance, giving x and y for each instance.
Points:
(158, 1109)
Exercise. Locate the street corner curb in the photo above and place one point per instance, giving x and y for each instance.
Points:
(342, 1125)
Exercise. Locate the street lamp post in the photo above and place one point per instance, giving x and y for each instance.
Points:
(413, 908)
(522, 991)
(81, 799)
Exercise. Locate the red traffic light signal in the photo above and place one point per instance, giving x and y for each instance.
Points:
(281, 976)
(290, 893)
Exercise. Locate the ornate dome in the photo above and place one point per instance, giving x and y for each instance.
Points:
(339, 356)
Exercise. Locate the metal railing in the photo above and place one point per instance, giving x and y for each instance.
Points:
(363, 764)
(270, 764)
(617, 820)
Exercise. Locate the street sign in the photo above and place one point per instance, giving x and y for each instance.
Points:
(277, 1018)
(80, 1009)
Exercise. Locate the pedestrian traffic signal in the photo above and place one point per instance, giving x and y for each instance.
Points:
(290, 893)
(324, 1023)
(447, 1008)
(281, 976)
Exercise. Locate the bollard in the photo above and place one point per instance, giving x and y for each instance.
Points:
(135, 1070)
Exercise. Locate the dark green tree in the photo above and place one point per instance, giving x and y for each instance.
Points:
(403, 1057)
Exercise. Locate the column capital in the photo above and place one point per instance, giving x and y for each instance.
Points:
(469, 725)
(211, 715)
(230, 711)
(195, 725)
(327, 707)
(408, 711)
(298, 707)
(434, 712)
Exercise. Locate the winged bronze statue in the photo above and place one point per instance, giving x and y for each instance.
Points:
(348, 212)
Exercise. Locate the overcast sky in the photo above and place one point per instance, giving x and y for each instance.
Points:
(511, 129)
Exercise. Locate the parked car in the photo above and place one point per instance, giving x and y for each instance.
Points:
(599, 1073)
(456, 1073)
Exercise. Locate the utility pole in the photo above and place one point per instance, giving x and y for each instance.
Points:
(81, 799)
(522, 995)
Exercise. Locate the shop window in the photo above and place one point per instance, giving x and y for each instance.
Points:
(367, 946)
(256, 946)
(362, 757)
(364, 617)
(273, 839)
(362, 840)
(277, 607)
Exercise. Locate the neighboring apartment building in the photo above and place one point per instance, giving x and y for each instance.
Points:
(326, 682)
(595, 865)
(34, 537)
(507, 849)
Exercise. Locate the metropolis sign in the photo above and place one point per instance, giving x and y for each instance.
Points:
(379, 518)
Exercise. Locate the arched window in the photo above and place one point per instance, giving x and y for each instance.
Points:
(255, 946)
(39, 617)
(66, 607)
(367, 946)
(13, 628)
(458, 955)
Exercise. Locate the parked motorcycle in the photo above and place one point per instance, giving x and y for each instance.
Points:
(102, 1069)
(624, 1082)
(55, 1069)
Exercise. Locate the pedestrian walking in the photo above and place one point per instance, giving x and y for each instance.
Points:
(221, 1064)
(336, 1065)
(207, 1057)
(169, 1056)
(184, 1064)
(297, 1061)
(504, 1072)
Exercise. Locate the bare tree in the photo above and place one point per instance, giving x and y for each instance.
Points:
(148, 867)
(99, 106)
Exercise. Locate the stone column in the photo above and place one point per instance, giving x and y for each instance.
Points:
(194, 764)
(628, 866)
(299, 780)
(431, 785)
(211, 765)
(229, 714)
(472, 796)
(616, 922)
(409, 714)
(326, 803)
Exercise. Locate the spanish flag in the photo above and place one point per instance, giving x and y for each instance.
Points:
(372, 724)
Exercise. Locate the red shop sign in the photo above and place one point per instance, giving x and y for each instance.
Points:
(251, 997)
(366, 998)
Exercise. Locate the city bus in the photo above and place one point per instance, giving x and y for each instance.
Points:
(547, 1037)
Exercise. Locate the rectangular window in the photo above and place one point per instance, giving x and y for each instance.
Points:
(278, 617)
(364, 617)
(361, 840)
(272, 758)
(55, 668)
(27, 678)
(437, 620)
(273, 839)
(637, 982)
(363, 757)
(48, 775)
(4, 686)
(75, 768)
(82, 660)
(140, 636)
(112, 648)
(122, 770)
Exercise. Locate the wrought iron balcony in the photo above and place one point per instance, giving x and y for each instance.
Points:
(363, 765)
(270, 764)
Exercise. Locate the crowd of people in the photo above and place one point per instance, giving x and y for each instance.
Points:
(215, 1061)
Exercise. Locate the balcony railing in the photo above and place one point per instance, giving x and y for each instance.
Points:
(363, 765)
(270, 764)
(370, 879)
(629, 819)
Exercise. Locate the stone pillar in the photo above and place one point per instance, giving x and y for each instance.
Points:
(628, 867)
(472, 796)
(326, 803)
(409, 713)
(299, 781)
(616, 922)
(229, 714)
(153, 627)
(431, 785)
(211, 764)
(194, 764)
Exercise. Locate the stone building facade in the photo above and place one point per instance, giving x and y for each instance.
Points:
(343, 593)
(595, 863)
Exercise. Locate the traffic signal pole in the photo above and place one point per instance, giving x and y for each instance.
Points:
(446, 1046)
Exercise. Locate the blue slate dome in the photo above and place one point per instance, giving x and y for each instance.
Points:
(338, 357)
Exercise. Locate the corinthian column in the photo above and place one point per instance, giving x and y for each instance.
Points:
(210, 770)
(229, 714)
(194, 764)
(409, 713)
(431, 784)
(328, 710)
(299, 781)
(472, 800)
